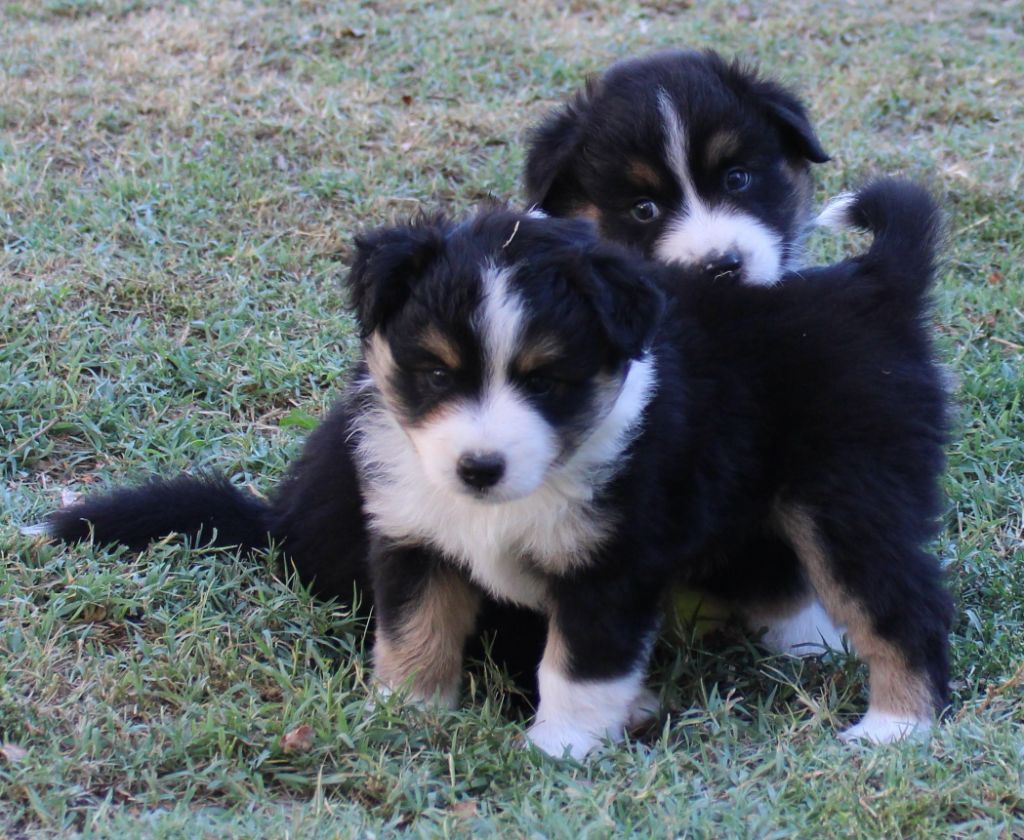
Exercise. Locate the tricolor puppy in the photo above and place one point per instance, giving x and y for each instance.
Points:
(695, 160)
(702, 163)
(543, 419)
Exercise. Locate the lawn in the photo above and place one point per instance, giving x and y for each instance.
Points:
(179, 184)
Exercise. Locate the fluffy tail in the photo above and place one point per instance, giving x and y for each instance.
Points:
(208, 509)
(315, 516)
(906, 224)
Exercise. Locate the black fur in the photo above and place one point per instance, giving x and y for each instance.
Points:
(819, 395)
(210, 509)
(384, 262)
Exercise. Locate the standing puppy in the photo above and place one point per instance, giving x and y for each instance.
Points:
(525, 430)
(703, 163)
(692, 159)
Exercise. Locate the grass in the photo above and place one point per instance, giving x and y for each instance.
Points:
(178, 187)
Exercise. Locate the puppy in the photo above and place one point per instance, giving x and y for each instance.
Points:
(702, 163)
(544, 419)
(692, 159)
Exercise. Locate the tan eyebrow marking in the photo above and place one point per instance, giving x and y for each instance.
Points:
(644, 175)
(538, 354)
(587, 211)
(437, 343)
(720, 146)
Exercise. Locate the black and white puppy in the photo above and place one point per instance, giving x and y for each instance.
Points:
(532, 424)
(704, 163)
(694, 159)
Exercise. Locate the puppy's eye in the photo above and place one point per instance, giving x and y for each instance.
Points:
(738, 179)
(539, 385)
(645, 211)
(438, 379)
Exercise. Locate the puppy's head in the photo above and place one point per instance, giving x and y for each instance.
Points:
(692, 159)
(500, 345)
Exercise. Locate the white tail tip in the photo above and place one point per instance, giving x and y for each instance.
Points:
(836, 213)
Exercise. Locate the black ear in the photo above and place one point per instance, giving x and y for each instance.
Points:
(552, 183)
(387, 263)
(790, 115)
(623, 292)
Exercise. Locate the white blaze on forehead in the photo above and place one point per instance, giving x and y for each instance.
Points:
(702, 233)
(677, 146)
(500, 321)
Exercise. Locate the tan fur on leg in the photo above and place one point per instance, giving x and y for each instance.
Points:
(899, 696)
(424, 657)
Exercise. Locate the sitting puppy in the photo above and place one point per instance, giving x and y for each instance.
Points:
(692, 159)
(529, 424)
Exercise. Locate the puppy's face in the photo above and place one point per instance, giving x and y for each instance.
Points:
(691, 159)
(498, 346)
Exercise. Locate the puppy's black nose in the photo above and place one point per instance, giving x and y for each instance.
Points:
(481, 470)
(728, 263)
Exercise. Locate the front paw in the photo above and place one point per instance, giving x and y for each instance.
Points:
(643, 711)
(440, 698)
(560, 740)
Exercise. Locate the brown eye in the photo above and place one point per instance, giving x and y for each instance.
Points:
(539, 385)
(645, 211)
(437, 379)
(737, 179)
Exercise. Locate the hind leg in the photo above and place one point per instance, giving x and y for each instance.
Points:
(886, 592)
(766, 585)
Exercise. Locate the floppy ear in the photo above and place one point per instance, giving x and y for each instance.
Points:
(551, 180)
(623, 293)
(387, 263)
(790, 115)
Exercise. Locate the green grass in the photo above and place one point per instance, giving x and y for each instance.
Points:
(178, 187)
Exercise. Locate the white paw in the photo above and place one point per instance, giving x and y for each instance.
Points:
(576, 715)
(378, 695)
(807, 632)
(643, 710)
(39, 530)
(382, 693)
(560, 740)
(885, 728)
(835, 215)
